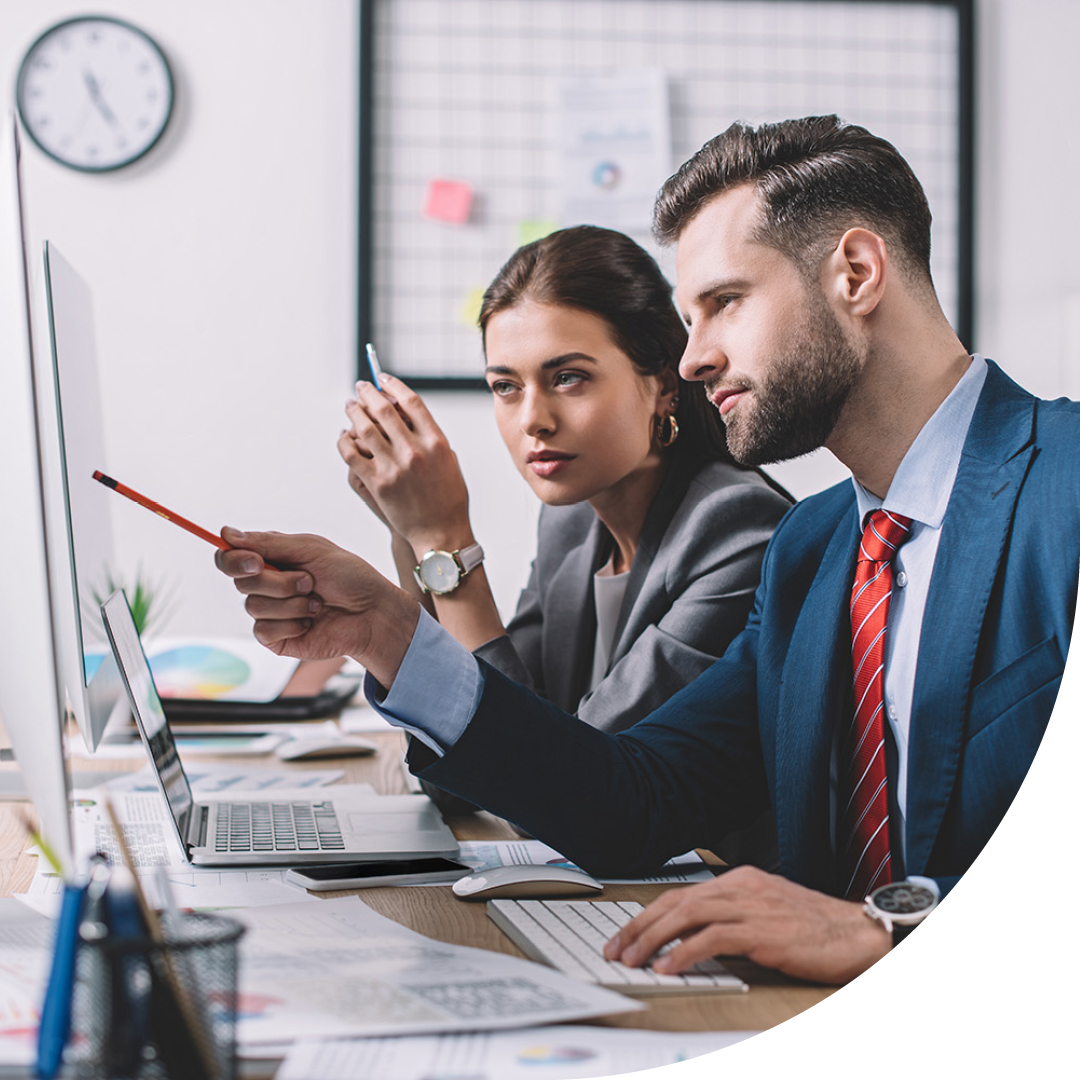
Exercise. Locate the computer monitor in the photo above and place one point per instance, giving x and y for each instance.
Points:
(31, 695)
(71, 436)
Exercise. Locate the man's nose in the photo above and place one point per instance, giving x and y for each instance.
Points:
(702, 360)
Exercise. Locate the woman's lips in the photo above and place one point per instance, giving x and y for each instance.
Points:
(548, 463)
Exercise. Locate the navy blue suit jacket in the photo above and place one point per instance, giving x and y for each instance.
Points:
(757, 727)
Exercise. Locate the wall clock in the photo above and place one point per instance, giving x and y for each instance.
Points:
(94, 93)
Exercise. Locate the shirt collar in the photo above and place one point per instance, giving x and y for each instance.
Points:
(924, 481)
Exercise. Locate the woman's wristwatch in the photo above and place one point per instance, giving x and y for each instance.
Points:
(441, 572)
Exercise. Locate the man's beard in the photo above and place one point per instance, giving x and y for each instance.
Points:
(795, 407)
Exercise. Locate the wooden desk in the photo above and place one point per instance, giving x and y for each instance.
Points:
(434, 911)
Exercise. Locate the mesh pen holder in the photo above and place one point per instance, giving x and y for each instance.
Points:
(149, 1011)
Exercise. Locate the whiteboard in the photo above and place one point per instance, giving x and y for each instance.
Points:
(462, 97)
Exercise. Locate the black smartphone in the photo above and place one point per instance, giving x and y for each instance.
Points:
(369, 875)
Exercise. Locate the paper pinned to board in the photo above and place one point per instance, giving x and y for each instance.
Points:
(616, 147)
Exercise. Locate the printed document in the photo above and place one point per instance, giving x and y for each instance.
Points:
(555, 1053)
(336, 968)
(487, 854)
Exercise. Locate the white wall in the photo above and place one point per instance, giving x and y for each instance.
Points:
(1028, 213)
(224, 278)
(223, 272)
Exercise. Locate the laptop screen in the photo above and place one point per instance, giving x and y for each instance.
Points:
(146, 705)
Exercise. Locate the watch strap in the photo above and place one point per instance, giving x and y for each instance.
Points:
(469, 558)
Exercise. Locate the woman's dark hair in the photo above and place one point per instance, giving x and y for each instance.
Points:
(608, 275)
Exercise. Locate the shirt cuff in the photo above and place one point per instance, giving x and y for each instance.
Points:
(437, 689)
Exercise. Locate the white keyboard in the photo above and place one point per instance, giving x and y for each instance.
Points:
(569, 935)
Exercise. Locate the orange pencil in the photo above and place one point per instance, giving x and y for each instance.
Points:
(161, 511)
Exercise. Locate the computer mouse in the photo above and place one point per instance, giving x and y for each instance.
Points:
(533, 882)
(313, 747)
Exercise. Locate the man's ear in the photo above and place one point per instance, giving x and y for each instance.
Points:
(856, 271)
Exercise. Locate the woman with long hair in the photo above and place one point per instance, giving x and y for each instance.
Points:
(651, 536)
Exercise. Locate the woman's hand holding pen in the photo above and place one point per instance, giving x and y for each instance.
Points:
(327, 602)
(401, 465)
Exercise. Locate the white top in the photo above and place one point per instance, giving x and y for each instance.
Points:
(609, 589)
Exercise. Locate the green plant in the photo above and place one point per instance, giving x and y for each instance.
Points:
(149, 600)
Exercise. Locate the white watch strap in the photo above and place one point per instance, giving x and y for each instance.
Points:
(469, 558)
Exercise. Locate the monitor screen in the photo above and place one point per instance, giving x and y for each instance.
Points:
(72, 443)
(31, 697)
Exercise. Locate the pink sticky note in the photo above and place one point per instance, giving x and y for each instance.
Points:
(448, 200)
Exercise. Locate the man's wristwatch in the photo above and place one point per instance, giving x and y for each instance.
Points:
(440, 572)
(902, 905)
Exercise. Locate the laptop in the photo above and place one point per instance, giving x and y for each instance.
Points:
(336, 827)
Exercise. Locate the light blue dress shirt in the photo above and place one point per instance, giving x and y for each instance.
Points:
(920, 490)
(438, 687)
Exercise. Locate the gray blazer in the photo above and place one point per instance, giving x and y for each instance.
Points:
(691, 588)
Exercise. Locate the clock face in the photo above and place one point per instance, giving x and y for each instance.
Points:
(94, 93)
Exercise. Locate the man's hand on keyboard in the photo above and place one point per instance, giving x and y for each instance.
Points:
(322, 602)
(770, 920)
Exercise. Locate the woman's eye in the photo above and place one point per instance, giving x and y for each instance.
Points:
(501, 388)
(569, 378)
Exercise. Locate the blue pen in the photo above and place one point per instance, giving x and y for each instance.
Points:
(55, 1025)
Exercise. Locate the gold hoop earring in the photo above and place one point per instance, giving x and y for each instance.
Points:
(667, 430)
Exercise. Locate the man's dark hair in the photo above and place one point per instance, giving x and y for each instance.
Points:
(817, 177)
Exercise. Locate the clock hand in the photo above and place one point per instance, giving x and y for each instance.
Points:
(97, 99)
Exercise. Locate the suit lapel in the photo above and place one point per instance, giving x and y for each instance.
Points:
(814, 693)
(997, 454)
(570, 625)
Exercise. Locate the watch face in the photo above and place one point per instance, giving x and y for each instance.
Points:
(903, 898)
(439, 572)
(94, 93)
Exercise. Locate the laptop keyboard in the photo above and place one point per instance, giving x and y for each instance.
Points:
(277, 826)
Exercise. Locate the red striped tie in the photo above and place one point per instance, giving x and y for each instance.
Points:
(865, 816)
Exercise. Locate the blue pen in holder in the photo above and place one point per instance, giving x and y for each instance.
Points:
(54, 1028)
